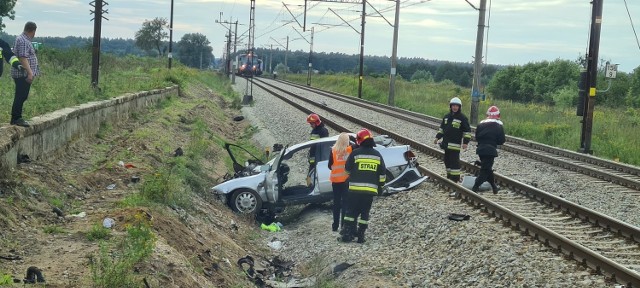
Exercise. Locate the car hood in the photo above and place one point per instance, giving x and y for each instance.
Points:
(253, 182)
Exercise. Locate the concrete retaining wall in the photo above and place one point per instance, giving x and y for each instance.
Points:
(50, 132)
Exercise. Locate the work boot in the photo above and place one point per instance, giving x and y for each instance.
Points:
(475, 188)
(347, 232)
(361, 235)
(334, 226)
(20, 122)
(495, 188)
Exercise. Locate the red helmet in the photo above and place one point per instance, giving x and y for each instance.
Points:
(493, 112)
(362, 135)
(314, 119)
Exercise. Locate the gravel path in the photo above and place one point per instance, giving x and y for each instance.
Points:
(410, 242)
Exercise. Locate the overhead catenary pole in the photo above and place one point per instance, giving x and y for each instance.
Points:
(248, 94)
(235, 45)
(310, 63)
(170, 55)
(592, 73)
(286, 53)
(361, 75)
(97, 35)
(394, 56)
(477, 65)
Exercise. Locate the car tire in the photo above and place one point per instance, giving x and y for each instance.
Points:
(245, 201)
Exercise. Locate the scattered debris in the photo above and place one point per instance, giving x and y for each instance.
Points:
(306, 282)
(11, 257)
(79, 215)
(34, 275)
(234, 226)
(23, 158)
(238, 118)
(178, 152)
(58, 212)
(339, 268)
(135, 179)
(459, 217)
(273, 227)
(108, 222)
(275, 245)
(111, 187)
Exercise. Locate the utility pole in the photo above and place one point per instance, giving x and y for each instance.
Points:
(477, 65)
(170, 55)
(230, 63)
(227, 66)
(286, 53)
(592, 73)
(248, 94)
(364, 7)
(235, 45)
(394, 57)
(310, 63)
(95, 49)
(271, 59)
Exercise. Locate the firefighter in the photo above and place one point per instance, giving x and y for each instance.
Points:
(339, 153)
(454, 129)
(367, 175)
(7, 54)
(489, 135)
(318, 130)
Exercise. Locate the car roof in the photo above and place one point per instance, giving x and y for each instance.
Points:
(333, 138)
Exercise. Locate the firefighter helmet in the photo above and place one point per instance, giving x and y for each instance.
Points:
(314, 119)
(493, 112)
(455, 101)
(362, 135)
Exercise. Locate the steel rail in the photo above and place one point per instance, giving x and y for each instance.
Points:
(562, 244)
(433, 123)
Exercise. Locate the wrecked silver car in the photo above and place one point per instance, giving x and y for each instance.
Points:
(285, 180)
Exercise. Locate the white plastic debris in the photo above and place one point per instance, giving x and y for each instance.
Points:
(121, 163)
(275, 245)
(108, 222)
(79, 215)
(111, 187)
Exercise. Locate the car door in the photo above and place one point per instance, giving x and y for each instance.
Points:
(322, 181)
(273, 181)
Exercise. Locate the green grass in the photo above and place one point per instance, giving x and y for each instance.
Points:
(113, 265)
(613, 133)
(65, 80)
(98, 232)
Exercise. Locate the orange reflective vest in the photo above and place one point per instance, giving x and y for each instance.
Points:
(338, 173)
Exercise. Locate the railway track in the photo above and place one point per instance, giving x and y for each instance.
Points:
(605, 244)
(610, 171)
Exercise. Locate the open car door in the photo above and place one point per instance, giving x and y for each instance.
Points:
(243, 160)
(275, 178)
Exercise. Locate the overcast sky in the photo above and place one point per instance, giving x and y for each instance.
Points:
(519, 31)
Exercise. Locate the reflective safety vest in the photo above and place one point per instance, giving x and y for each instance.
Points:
(338, 173)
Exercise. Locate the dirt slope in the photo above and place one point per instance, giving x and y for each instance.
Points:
(196, 246)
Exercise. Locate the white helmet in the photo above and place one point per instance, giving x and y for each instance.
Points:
(456, 101)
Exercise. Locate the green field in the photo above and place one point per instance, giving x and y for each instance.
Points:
(614, 133)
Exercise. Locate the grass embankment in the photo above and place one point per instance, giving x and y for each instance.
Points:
(614, 130)
(65, 80)
(168, 183)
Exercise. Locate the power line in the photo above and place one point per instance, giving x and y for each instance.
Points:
(631, 21)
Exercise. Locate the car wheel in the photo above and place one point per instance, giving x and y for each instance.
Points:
(245, 201)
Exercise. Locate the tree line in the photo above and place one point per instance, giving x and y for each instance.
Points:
(549, 82)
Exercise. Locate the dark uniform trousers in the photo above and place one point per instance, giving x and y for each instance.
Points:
(486, 171)
(358, 205)
(340, 191)
(452, 163)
